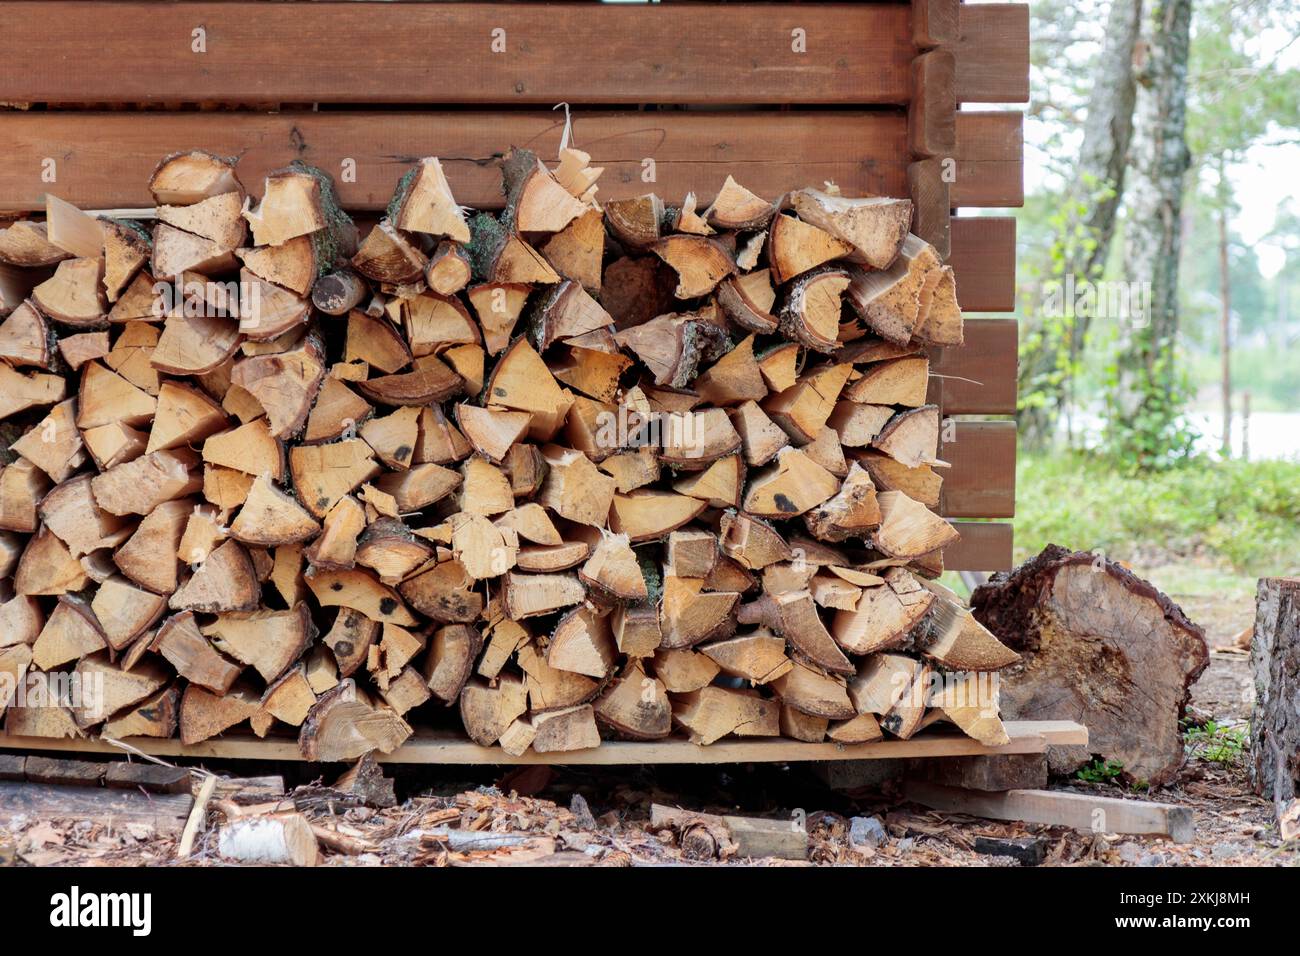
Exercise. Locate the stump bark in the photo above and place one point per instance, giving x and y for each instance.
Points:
(1275, 662)
(1100, 646)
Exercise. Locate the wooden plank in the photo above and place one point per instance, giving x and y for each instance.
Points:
(71, 773)
(984, 259)
(931, 195)
(993, 53)
(40, 801)
(979, 377)
(75, 52)
(104, 159)
(984, 546)
(990, 159)
(13, 767)
(935, 23)
(449, 748)
(1087, 812)
(149, 777)
(982, 480)
(931, 124)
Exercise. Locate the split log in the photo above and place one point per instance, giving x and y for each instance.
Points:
(511, 477)
(344, 726)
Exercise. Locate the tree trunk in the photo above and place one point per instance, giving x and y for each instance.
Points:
(1225, 316)
(1159, 160)
(1275, 661)
(1101, 646)
(1098, 188)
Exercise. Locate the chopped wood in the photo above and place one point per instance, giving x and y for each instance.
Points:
(182, 643)
(889, 301)
(635, 222)
(908, 529)
(601, 420)
(424, 203)
(700, 263)
(711, 713)
(875, 226)
(280, 838)
(344, 726)
(735, 207)
(570, 728)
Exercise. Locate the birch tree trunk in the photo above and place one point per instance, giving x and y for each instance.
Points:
(1093, 201)
(1158, 163)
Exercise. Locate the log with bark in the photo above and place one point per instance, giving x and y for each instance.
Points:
(553, 475)
(1275, 663)
(1100, 646)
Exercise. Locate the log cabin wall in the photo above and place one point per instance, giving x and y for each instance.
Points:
(886, 98)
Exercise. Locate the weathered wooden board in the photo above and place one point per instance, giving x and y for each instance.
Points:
(103, 160)
(448, 748)
(1086, 812)
(166, 813)
(443, 53)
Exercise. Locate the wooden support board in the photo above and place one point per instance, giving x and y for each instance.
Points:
(416, 53)
(1080, 811)
(984, 259)
(164, 812)
(427, 747)
(993, 53)
(980, 377)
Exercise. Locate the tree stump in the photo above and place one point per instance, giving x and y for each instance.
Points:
(1275, 662)
(1100, 646)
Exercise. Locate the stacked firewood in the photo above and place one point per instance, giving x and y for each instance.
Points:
(575, 470)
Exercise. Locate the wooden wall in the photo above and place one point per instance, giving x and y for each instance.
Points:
(887, 97)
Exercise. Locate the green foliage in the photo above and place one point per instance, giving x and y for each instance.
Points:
(1245, 515)
(1274, 385)
(1243, 92)
(1149, 432)
(1213, 741)
(1101, 771)
(1051, 349)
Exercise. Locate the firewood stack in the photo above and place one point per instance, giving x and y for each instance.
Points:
(573, 470)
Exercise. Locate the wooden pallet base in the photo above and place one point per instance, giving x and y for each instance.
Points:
(429, 747)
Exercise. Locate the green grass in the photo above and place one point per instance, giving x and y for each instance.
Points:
(1100, 771)
(1212, 741)
(1243, 516)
